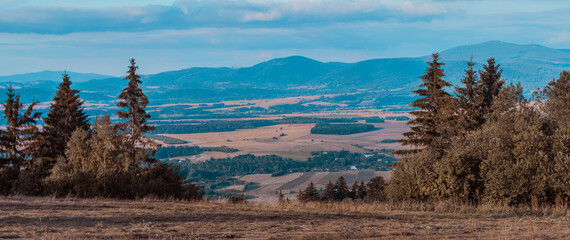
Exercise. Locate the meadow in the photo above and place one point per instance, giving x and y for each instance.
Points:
(71, 218)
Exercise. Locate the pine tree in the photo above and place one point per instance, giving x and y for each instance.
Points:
(361, 191)
(489, 86)
(329, 193)
(431, 125)
(309, 195)
(342, 189)
(134, 101)
(354, 190)
(468, 100)
(17, 141)
(64, 117)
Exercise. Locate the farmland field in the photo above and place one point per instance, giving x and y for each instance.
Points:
(295, 140)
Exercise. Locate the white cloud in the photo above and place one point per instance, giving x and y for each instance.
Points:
(188, 14)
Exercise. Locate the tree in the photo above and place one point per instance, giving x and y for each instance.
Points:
(557, 108)
(64, 117)
(469, 101)
(134, 101)
(361, 191)
(557, 94)
(431, 126)
(490, 85)
(309, 195)
(375, 189)
(354, 190)
(342, 189)
(329, 193)
(517, 164)
(17, 140)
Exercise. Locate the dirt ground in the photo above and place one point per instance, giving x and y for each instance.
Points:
(48, 218)
(298, 142)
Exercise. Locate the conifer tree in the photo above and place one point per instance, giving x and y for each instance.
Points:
(329, 193)
(17, 140)
(468, 100)
(342, 191)
(309, 195)
(431, 125)
(64, 117)
(490, 85)
(133, 100)
(354, 190)
(361, 191)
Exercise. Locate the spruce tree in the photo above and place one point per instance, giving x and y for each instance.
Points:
(309, 195)
(490, 85)
(361, 191)
(65, 116)
(133, 100)
(354, 190)
(329, 193)
(342, 191)
(431, 126)
(18, 139)
(468, 100)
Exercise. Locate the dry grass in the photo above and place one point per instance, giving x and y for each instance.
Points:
(49, 218)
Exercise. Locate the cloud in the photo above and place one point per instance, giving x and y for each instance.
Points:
(189, 14)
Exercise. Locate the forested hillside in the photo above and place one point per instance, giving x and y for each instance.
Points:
(531, 65)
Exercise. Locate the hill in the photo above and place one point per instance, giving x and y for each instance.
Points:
(532, 65)
(51, 76)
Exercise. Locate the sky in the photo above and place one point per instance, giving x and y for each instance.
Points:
(99, 36)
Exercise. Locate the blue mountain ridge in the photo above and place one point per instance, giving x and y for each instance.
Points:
(531, 65)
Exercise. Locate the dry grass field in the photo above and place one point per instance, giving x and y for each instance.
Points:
(49, 218)
(298, 142)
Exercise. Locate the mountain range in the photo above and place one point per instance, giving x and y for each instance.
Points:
(531, 65)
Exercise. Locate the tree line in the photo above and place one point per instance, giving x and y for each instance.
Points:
(69, 156)
(342, 128)
(222, 168)
(373, 191)
(487, 142)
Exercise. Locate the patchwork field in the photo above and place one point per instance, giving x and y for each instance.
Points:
(293, 140)
(49, 218)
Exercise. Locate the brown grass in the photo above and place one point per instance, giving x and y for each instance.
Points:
(49, 218)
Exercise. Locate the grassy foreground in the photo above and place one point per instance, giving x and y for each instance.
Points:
(51, 218)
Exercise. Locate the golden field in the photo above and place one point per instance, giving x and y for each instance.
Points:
(298, 142)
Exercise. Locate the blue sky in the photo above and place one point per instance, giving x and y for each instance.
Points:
(100, 36)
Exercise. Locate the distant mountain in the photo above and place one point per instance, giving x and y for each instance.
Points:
(532, 65)
(51, 76)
